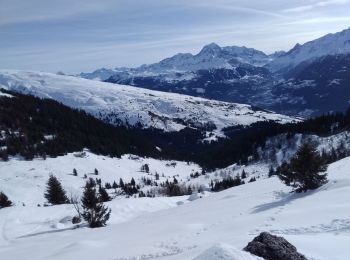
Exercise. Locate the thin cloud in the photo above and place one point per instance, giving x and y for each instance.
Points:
(81, 35)
(309, 7)
(321, 20)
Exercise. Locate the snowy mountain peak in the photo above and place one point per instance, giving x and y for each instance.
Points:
(210, 49)
(330, 44)
(100, 74)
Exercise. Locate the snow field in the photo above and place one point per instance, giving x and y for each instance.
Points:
(221, 224)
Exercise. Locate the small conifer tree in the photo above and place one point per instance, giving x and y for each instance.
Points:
(304, 172)
(4, 201)
(104, 197)
(132, 182)
(94, 212)
(55, 194)
(243, 175)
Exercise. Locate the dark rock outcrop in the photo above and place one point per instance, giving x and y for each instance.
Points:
(272, 247)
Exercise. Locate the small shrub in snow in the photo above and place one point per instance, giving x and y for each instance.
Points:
(4, 201)
(145, 168)
(157, 176)
(76, 220)
(252, 179)
(142, 194)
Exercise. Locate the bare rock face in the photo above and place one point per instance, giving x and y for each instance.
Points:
(272, 247)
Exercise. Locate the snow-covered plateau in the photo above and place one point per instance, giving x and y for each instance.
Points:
(216, 226)
(130, 105)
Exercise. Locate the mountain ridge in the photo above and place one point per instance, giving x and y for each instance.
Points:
(127, 105)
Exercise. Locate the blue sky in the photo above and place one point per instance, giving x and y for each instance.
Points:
(83, 35)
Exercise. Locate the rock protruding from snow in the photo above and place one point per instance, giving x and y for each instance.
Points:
(272, 247)
(225, 252)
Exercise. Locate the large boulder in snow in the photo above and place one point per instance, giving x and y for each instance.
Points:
(272, 247)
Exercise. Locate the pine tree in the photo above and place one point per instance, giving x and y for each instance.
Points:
(4, 201)
(304, 172)
(55, 194)
(104, 197)
(121, 183)
(157, 176)
(94, 212)
(96, 171)
(75, 173)
(108, 186)
(91, 182)
(145, 168)
(252, 179)
(243, 175)
(132, 182)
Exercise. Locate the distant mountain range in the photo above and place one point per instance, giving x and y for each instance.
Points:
(298, 82)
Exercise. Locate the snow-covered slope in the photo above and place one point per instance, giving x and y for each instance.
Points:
(330, 44)
(125, 104)
(25, 181)
(219, 225)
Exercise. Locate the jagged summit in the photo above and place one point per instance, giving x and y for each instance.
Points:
(210, 49)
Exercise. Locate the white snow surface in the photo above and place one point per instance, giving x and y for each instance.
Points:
(212, 227)
(119, 103)
(225, 252)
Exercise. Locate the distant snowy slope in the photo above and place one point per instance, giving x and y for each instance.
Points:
(330, 44)
(130, 105)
